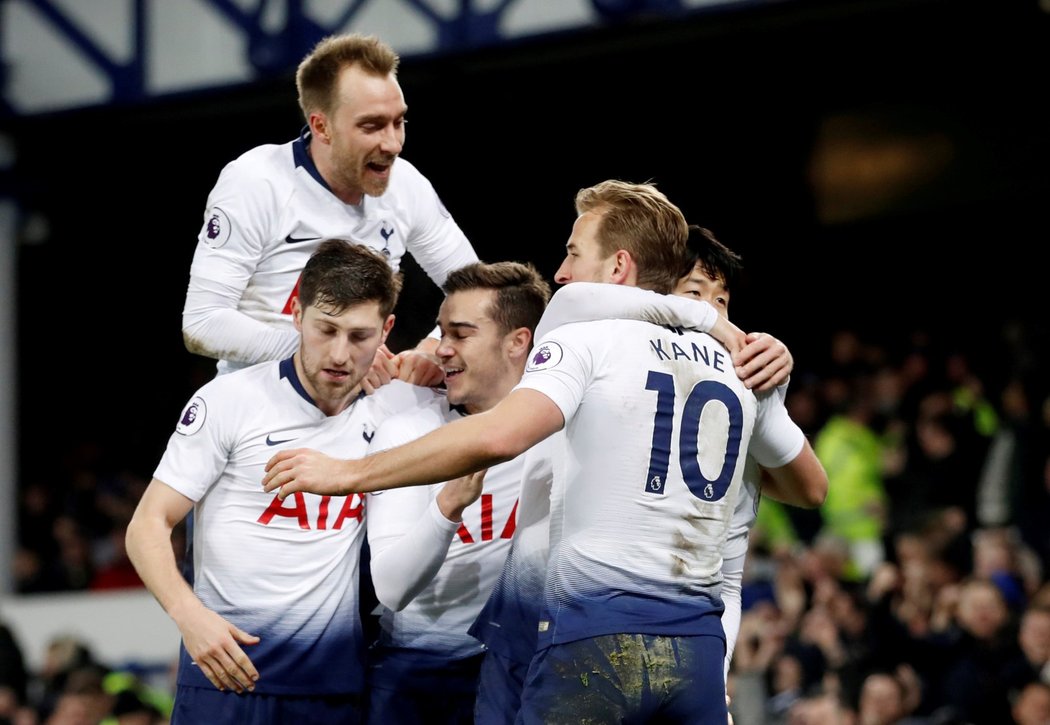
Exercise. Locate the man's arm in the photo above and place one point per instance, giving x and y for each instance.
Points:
(762, 361)
(519, 421)
(212, 326)
(587, 301)
(803, 482)
(212, 642)
(409, 536)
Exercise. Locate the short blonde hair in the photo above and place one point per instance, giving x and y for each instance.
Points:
(318, 73)
(642, 221)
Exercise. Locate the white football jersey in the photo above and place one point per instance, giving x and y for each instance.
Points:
(436, 620)
(285, 571)
(269, 210)
(657, 427)
(507, 624)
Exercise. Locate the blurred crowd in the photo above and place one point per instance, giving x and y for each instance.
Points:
(917, 594)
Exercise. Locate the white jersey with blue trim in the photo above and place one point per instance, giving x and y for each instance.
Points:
(285, 571)
(508, 622)
(437, 618)
(657, 426)
(269, 210)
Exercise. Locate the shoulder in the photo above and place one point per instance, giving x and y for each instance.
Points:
(407, 184)
(250, 382)
(398, 396)
(262, 166)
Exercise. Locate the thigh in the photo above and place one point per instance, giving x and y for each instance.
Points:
(407, 688)
(628, 678)
(499, 690)
(195, 705)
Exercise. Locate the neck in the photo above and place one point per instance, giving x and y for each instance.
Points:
(498, 393)
(322, 156)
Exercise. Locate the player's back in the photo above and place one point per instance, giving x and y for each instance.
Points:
(657, 425)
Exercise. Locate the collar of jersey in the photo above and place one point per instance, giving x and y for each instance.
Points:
(302, 157)
(287, 369)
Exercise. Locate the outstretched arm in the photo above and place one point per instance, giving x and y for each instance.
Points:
(212, 642)
(519, 421)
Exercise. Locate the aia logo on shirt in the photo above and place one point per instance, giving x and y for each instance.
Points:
(322, 512)
(485, 531)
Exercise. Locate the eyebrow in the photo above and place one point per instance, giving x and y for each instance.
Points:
(471, 325)
(379, 117)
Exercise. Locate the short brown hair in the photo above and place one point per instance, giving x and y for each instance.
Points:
(340, 274)
(521, 293)
(319, 71)
(642, 221)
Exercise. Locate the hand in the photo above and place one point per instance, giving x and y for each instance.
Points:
(304, 469)
(764, 362)
(214, 644)
(384, 369)
(418, 367)
(459, 493)
(729, 335)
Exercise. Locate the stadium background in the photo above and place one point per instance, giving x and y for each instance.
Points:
(881, 166)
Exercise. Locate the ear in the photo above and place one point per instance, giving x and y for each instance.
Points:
(318, 123)
(623, 267)
(297, 313)
(516, 343)
(387, 326)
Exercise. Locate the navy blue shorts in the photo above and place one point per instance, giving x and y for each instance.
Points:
(196, 705)
(407, 687)
(627, 678)
(499, 690)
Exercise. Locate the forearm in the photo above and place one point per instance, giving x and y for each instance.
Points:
(401, 570)
(451, 451)
(732, 576)
(213, 328)
(585, 301)
(150, 550)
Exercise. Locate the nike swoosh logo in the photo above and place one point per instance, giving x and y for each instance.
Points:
(271, 442)
(368, 438)
(295, 240)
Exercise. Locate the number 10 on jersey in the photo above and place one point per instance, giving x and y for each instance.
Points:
(664, 424)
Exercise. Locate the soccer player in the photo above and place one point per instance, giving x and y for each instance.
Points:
(343, 177)
(507, 623)
(433, 562)
(271, 630)
(657, 423)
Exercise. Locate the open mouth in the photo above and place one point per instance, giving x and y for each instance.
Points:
(378, 168)
(452, 373)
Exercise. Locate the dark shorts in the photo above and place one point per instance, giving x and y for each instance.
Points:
(627, 678)
(197, 705)
(406, 687)
(499, 690)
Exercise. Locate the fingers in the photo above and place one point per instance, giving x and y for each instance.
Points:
(230, 671)
(278, 474)
(420, 368)
(224, 673)
(764, 362)
(384, 369)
